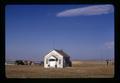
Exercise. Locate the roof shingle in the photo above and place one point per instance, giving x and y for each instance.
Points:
(62, 53)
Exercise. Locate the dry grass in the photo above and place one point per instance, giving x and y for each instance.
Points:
(85, 69)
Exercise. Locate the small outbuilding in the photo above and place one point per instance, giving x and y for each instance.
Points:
(57, 59)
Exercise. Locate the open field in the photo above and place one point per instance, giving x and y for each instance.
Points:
(79, 69)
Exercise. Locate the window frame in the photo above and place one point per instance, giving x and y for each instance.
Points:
(59, 61)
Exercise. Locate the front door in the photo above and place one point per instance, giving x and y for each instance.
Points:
(52, 63)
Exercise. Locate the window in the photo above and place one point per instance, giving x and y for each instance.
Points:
(46, 61)
(52, 60)
(59, 61)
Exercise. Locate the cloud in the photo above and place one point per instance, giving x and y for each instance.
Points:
(109, 45)
(87, 11)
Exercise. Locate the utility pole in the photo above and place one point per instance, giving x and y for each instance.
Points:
(53, 44)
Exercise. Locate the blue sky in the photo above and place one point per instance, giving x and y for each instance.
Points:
(82, 31)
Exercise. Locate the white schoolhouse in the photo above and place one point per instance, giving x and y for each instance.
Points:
(56, 59)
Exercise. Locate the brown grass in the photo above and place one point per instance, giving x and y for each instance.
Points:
(84, 69)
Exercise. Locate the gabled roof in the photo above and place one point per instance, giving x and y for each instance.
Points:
(62, 53)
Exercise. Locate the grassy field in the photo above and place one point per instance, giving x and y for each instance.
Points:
(79, 69)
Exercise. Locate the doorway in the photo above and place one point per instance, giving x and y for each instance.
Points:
(52, 63)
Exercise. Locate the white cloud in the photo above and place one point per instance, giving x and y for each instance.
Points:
(109, 45)
(86, 11)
